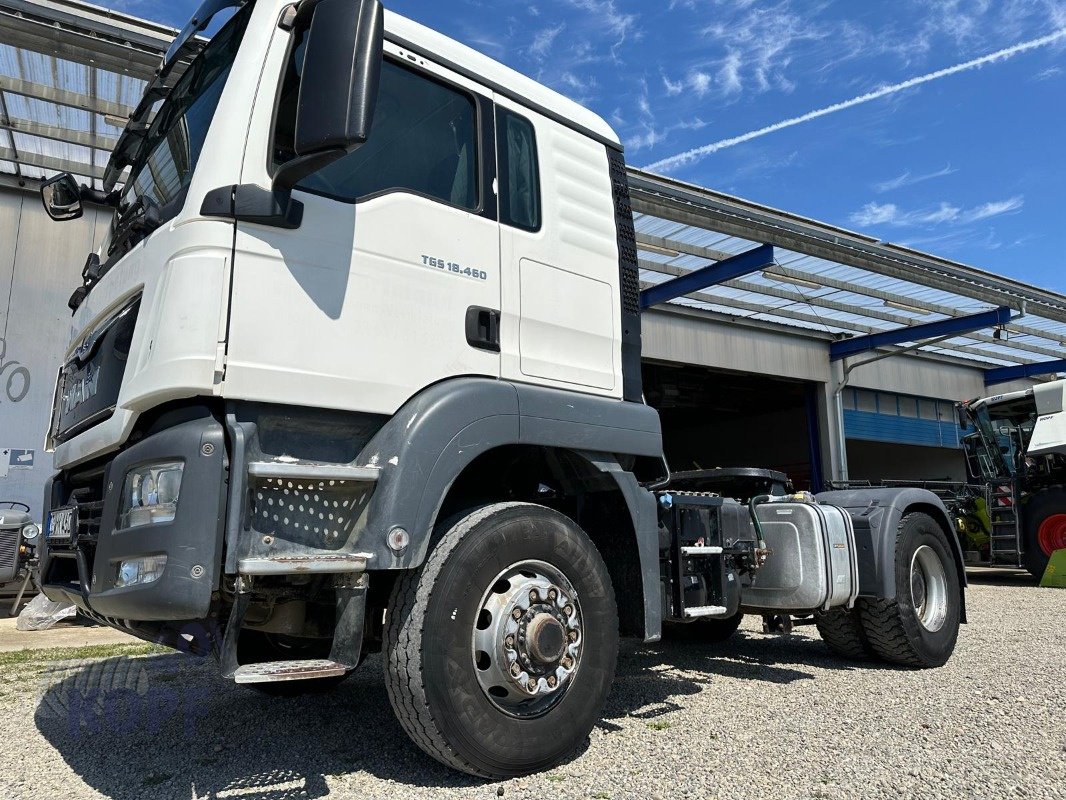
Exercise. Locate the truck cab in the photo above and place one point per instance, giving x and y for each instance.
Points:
(359, 369)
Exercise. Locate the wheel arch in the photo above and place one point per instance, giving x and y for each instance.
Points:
(880, 512)
(442, 451)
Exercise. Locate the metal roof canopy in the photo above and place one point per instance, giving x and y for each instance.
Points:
(841, 283)
(70, 73)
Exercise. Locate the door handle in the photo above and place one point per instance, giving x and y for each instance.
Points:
(483, 328)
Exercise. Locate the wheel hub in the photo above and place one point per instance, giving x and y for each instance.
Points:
(527, 639)
(929, 593)
(1052, 534)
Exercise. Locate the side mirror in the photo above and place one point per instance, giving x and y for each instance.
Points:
(62, 197)
(338, 85)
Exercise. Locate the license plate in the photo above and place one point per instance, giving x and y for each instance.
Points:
(62, 522)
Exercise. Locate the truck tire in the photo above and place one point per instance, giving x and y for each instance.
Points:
(842, 632)
(500, 651)
(920, 626)
(1045, 530)
(709, 631)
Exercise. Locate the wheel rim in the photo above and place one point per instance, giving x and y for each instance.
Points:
(929, 588)
(1052, 534)
(527, 639)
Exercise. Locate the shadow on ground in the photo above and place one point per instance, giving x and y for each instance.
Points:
(168, 726)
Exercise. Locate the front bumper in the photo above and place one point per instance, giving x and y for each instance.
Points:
(84, 570)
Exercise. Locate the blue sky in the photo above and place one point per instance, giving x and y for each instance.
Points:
(968, 164)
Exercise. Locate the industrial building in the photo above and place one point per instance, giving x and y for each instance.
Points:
(769, 340)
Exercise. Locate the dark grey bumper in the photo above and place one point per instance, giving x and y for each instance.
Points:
(85, 570)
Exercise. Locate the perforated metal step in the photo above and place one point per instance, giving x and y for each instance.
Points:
(277, 671)
(706, 611)
(298, 565)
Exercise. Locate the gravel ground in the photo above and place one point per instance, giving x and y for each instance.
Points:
(758, 717)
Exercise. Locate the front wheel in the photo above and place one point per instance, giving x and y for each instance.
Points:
(501, 650)
(919, 627)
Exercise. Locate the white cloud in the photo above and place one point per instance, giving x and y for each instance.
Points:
(700, 83)
(673, 87)
(543, 41)
(909, 179)
(874, 214)
(698, 153)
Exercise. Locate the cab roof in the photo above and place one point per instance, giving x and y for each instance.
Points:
(496, 76)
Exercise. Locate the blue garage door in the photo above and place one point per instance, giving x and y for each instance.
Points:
(900, 419)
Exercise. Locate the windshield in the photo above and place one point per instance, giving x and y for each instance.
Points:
(162, 172)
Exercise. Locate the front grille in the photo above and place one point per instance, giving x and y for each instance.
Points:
(9, 551)
(86, 491)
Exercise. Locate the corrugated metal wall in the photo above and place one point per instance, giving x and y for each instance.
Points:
(40, 265)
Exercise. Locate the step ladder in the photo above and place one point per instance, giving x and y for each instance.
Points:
(1005, 545)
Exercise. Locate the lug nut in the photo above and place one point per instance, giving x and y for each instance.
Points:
(553, 595)
(533, 596)
(532, 686)
(569, 611)
(509, 641)
(568, 662)
(572, 636)
(553, 681)
(516, 614)
(516, 670)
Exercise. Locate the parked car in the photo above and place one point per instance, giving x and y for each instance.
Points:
(18, 551)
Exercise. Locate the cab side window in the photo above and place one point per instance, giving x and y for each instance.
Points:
(519, 172)
(424, 140)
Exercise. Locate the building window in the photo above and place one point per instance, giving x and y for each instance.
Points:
(908, 407)
(866, 401)
(519, 176)
(849, 400)
(927, 410)
(888, 404)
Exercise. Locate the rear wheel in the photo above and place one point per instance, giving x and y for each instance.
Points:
(842, 632)
(1045, 530)
(920, 626)
(501, 650)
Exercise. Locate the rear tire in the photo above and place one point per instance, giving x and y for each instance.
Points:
(919, 628)
(448, 664)
(709, 631)
(843, 634)
(1041, 509)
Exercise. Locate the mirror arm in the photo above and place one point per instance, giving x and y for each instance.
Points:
(292, 172)
(251, 203)
(109, 199)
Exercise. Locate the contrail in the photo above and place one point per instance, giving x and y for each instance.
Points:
(689, 156)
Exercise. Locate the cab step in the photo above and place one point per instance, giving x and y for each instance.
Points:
(706, 611)
(305, 565)
(278, 671)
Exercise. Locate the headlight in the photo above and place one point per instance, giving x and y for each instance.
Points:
(150, 494)
(30, 532)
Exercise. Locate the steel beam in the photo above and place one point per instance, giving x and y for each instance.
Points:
(801, 299)
(697, 280)
(59, 134)
(52, 164)
(63, 97)
(692, 205)
(919, 333)
(1007, 374)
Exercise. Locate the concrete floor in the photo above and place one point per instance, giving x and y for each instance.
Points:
(65, 634)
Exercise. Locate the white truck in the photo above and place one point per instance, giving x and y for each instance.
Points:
(358, 369)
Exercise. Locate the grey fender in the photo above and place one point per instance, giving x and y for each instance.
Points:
(428, 443)
(877, 514)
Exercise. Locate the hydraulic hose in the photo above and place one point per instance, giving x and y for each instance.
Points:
(755, 502)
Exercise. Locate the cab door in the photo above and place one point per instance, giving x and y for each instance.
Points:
(391, 283)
